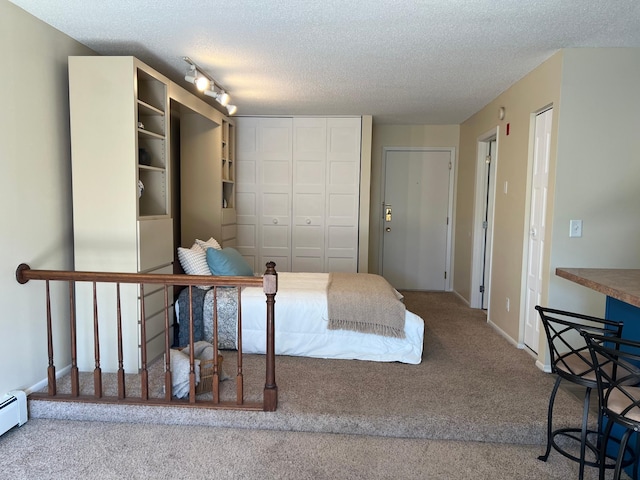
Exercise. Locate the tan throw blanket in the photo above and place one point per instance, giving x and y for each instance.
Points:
(364, 302)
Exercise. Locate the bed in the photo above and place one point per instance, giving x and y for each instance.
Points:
(322, 315)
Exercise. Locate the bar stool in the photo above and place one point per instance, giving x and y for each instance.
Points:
(571, 361)
(617, 364)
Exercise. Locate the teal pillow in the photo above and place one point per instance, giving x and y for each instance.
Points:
(228, 263)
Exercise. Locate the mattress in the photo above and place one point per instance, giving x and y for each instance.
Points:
(301, 324)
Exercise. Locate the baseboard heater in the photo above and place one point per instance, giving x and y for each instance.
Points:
(13, 410)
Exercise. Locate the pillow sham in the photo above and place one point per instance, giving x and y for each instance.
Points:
(228, 263)
(211, 243)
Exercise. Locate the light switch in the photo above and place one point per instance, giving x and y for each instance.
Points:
(575, 228)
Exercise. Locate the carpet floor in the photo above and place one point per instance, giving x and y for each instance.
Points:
(476, 407)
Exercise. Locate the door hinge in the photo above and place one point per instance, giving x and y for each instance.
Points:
(487, 159)
(445, 275)
(450, 165)
(485, 224)
(447, 220)
(481, 288)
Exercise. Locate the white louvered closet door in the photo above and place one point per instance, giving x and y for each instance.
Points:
(247, 190)
(342, 194)
(297, 192)
(309, 179)
(275, 176)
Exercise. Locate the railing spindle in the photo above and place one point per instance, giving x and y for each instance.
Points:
(215, 390)
(167, 348)
(144, 373)
(122, 389)
(51, 370)
(239, 376)
(192, 368)
(97, 372)
(75, 377)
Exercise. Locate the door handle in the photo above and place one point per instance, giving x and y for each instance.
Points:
(388, 229)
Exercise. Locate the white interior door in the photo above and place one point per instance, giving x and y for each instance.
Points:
(416, 218)
(539, 191)
(487, 225)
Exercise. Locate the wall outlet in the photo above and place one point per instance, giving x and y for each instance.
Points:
(508, 304)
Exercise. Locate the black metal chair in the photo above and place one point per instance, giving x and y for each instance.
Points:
(617, 363)
(571, 360)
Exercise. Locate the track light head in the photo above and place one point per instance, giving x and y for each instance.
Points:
(232, 109)
(223, 98)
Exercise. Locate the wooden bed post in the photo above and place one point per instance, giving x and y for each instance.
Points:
(270, 283)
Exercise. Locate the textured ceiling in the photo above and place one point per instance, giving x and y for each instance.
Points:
(402, 61)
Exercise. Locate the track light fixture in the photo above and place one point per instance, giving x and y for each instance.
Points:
(207, 85)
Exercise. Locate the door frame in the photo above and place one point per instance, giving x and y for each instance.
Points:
(452, 176)
(478, 262)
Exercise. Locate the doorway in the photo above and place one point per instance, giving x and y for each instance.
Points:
(486, 168)
(537, 226)
(417, 218)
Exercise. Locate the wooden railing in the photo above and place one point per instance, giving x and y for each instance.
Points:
(270, 392)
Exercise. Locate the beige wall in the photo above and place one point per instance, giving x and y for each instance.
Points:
(399, 136)
(598, 173)
(594, 176)
(35, 188)
(538, 89)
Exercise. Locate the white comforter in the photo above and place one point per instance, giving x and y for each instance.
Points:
(301, 320)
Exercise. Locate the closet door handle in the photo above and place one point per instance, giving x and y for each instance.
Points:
(275, 221)
(308, 221)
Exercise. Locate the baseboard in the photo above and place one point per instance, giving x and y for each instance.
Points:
(543, 367)
(504, 334)
(42, 384)
(461, 298)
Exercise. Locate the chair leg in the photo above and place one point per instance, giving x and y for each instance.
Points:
(623, 448)
(583, 436)
(603, 449)
(549, 420)
(636, 460)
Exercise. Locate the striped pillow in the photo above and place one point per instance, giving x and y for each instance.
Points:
(211, 243)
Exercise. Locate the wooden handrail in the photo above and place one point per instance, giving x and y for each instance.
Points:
(269, 283)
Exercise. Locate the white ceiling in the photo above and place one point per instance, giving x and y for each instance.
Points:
(402, 61)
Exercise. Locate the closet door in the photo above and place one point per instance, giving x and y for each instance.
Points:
(263, 191)
(275, 176)
(342, 194)
(309, 179)
(247, 190)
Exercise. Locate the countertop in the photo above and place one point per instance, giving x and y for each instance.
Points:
(620, 283)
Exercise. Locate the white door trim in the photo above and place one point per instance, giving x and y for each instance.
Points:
(452, 176)
(477, 264)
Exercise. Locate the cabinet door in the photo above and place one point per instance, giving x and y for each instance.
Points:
(342, 194)
(309, 171)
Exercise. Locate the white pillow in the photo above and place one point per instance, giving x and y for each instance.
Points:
(211, 243)
(194, 261)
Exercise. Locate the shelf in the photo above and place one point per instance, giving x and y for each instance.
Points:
(146, 109)
(150, 168)
(150, 134)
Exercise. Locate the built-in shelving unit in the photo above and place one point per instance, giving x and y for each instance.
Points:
(120, 137)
